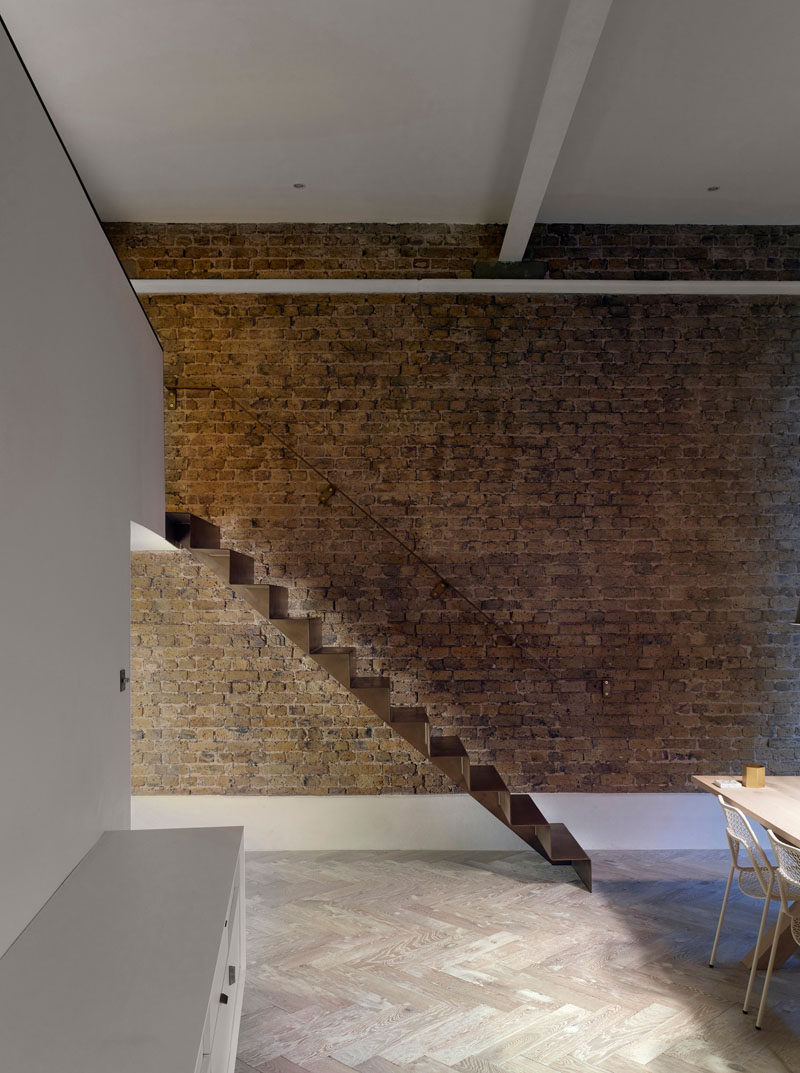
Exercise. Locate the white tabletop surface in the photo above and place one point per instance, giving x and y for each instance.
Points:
(114, 974)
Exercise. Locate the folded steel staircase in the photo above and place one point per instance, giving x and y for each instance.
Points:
(483, 782)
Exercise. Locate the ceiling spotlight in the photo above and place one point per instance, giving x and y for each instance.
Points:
(711, 189)
(299, 186)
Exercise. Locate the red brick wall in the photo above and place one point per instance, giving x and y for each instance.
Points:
(633, 251)
(666, 251)
(261, 251)
(613, 480)
(221, 704)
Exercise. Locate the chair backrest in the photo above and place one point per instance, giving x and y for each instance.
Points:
(788, 871)
(741, 836)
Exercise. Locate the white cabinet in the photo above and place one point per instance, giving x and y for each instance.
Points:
(137, 962)
(221, 1029)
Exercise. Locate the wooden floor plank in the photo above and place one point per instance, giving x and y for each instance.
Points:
(377, 1065)
(494, 963)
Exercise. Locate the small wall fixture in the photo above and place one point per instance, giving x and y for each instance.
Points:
(606, 687)
(326, 494)
(172, 397)
(439, 589)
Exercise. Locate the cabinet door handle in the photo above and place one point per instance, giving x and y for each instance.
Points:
(223, 999)
(231, 975)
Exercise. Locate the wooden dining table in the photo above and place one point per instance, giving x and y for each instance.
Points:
(776, 805)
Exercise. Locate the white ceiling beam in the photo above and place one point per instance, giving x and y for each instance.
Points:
(580, 34)
(466, 286)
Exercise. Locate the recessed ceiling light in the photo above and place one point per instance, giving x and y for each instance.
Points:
(299, 186)
(711, 189)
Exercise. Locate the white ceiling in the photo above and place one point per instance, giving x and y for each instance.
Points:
(683, 95)
(417, 110)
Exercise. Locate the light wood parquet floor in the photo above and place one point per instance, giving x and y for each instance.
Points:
(500, 963)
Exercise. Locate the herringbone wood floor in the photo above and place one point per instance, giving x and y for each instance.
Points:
(500, 963)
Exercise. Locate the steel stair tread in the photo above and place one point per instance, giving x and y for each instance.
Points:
(524, 812)
(408, 715)
(238, 570)
(561, 845)
(370, 683)
(447, 745)
(486, 777)
(258, 587)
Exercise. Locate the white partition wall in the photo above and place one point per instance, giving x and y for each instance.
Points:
(81, 455)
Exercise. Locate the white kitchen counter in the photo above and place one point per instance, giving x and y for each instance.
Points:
(123, 969)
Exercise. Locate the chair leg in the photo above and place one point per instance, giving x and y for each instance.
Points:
(768, 977)
(721, 916)
(753, 967)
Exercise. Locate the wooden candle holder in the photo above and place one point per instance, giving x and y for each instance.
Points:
(754, 776)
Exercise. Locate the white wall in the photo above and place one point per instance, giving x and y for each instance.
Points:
(440, 821)
(81, 455)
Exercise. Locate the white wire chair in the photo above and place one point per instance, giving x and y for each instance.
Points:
(756, 880)
(788, 876)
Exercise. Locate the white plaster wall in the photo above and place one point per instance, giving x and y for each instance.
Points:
(638, 821)
(440, 821)
(144, 539)
(81, 455)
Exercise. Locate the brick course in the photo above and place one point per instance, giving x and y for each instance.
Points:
(594, 251)
(613, 480)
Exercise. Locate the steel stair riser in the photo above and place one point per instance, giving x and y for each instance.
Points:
(450, 756)
(416, 734)
(230, 566)
(304, 633)
(496, 801)
(271, 601)
(188, 531)
(413, 725)
(524, 812)
(336, 664)
(583, 870)
(375, 698)
(455, 767)
(489, 790)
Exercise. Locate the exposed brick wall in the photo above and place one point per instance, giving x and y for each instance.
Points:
(635, 251)
(666, 251)
(261, 251)
(221, 704)
(615, 480)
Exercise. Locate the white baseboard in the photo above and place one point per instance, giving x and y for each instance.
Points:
(439, 821)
